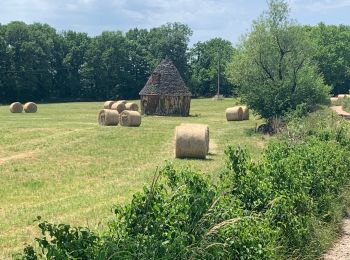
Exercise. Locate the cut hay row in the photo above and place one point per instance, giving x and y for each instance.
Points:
(29, 107)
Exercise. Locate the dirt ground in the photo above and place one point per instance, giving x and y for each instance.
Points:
(341, 249)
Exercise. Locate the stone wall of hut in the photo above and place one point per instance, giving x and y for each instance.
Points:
(165, 105)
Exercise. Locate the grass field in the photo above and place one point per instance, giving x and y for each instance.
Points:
(59, 164)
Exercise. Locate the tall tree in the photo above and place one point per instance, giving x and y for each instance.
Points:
(76, 47)
(274, 68)
(207, 60)
(6, 93)
(29, 50)
(332, 53)
(170, 40)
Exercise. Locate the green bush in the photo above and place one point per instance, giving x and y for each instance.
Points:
(346, 104)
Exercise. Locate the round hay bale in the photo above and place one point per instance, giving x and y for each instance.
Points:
(131, 106)
(123, 101)
(130, 118)
(234, 113)
(205, 128)
(108, 104)
(16, 107)
(119, 106)
(30, 107)
(108, 117)
(191, 141)
(245, 115)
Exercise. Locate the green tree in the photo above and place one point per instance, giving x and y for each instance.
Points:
(28, 72)
(76, 45)
(205, 59)
(274, 68)
(170, 40)
(332, 53)
(6, 93)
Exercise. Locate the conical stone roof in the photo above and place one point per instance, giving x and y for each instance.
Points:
(165, 80)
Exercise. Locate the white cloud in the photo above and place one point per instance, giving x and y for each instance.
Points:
(207, 18)
(321, 5)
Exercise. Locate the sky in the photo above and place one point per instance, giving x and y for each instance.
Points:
(228, 19)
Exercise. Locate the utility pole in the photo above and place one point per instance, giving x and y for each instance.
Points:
(218, 75)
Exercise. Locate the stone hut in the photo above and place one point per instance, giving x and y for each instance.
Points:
(165, 93)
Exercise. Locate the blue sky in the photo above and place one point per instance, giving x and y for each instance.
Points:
(228, 19)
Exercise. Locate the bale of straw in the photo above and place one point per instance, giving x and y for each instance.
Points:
(191, 141)
(108, 104)
(16, 107)
(131, 106)
(119, 106)
(245, 115)
(122, 101)
(130, 118)
(108, 117)
(234, 113)
(30, 107)
(201, 126)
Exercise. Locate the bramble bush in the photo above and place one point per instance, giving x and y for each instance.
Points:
(276, 208)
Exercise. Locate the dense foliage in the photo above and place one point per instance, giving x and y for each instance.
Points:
(207, 60)
(37, 63)
(285, 205)
(332, 54)
(273, 66)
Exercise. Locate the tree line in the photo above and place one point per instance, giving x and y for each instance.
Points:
(38, 63)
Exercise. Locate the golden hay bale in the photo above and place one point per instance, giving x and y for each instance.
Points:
(131, 106)
(123, 101)
(245, 115)
(108, 104)
(16, 107)
(204, 127)
(130, 118)
(108, 117)
(30, 107)
(119, 106)
(234, 113)
(191, 141)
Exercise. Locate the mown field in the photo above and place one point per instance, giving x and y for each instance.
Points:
(60, 164)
